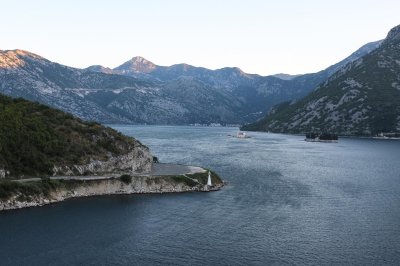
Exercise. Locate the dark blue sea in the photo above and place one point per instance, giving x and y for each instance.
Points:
(288, 202)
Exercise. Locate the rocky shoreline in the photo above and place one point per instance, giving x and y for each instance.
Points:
(110, 186)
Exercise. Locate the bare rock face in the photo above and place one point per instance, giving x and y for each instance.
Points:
(393, 35)
(137, 160)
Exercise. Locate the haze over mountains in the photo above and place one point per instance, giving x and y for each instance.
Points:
(140, 91)
(362, 98)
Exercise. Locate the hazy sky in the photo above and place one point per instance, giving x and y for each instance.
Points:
(259, 36)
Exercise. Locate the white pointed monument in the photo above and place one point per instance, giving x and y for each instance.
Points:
(209, 179)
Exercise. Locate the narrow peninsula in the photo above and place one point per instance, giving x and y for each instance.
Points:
(47, 156)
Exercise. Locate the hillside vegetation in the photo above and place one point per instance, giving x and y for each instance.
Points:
(34, 138)
(360, 99)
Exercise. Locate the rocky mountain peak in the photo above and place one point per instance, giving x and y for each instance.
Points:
(240, 71)
(137, 64)
(234, 71)
(393, 35)
(99, 68)
(21, 53)
(186, 67)
(16, 58)
(9, 59)
(182, 67)
(141, 60)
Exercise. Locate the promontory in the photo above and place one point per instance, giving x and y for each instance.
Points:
(47, 155)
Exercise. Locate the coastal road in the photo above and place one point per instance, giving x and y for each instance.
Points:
(159, 169)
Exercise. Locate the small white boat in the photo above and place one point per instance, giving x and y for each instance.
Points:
(240, 135)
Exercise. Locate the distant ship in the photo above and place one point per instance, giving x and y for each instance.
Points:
(240, 135)
(322, 137)
(387, 136)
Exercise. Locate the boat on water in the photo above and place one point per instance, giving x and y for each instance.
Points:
(240, 135)
(387, 136)
(322, 137)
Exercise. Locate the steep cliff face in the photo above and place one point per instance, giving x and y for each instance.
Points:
(137, 160)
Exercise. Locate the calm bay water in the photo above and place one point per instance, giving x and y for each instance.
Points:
(287, 202)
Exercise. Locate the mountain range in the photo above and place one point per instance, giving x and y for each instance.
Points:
(361, 98)
(139, 91)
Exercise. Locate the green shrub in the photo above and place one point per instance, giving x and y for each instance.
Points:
(184, 179)
(28, 189)
(127, 179)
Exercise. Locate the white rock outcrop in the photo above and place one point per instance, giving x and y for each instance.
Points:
(138, 160)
